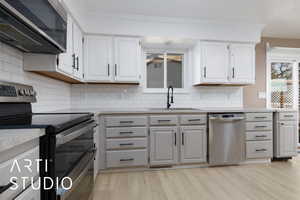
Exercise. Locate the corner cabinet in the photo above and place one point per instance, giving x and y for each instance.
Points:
(112, 59)
(223, 63)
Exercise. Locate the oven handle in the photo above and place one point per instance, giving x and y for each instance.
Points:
(63, 138)
(63, 194)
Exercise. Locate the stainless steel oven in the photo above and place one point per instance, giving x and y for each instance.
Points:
(70, 155)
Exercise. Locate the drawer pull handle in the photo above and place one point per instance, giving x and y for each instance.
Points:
(194, 120)
(6, 187)
(126, 132)
(126, 144)
(126, 160)
(260, 136)
(260, 126)
(126, 122)
(164, 120)
(288, 115)
(260, 117)
(260, 150)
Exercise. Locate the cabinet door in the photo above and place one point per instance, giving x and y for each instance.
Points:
(215, 61)
(98, 58)
(65, 59)
(288, 138)
(127, 59)
(242, 63)
(78, 51)
(193, 144)
(163, 145)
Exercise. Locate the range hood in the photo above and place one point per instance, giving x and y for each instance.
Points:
(37, 26)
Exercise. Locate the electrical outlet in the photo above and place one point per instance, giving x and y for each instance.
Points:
(262, 95)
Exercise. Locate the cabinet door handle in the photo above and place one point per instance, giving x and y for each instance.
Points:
(175, 138)
(115, 69)
(233, 73)
(194, 120)
(108, 70)
(73, 65)
(127, 144)
(260, 150)
(288, 115)
(164, 120)
(126, 132)
(126, 122)
(260, 136)
(127, 159)
(182, 138)
(260, 117)
(260, 126)
(204, 72)
(77, 60)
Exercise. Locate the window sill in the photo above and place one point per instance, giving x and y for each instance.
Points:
(164, 91)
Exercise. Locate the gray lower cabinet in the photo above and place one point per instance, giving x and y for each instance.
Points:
(193, 144)
(285, 134)
(163, 145)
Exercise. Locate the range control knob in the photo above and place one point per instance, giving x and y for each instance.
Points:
(21, 92)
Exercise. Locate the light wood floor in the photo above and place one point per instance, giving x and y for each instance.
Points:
(276, 181)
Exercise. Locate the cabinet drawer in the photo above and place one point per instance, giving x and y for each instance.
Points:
(259, 149)
(126, 158)
(288, 116)
(259, 126)
(126, 121)
(259, 135)
(163, 120)
(250, 117)
(126, 132)
(126, 143)
(192, 119)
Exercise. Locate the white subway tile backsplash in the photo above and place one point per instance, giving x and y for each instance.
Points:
(122, 96)
(52, 94)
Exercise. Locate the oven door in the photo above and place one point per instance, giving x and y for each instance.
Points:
(74, 159)
(82, 177)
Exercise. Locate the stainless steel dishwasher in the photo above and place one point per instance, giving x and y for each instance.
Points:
(226, 139)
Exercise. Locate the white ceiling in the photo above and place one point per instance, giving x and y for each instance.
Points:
(281, 17)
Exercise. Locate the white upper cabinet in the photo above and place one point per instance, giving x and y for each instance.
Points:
(112, 59)
(223, 63)
(98, 58)
(127, 57)
(65, 59)
(214, 62)
(78, 51)
(242, 61)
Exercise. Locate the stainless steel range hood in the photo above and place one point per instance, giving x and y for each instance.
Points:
(37, 26)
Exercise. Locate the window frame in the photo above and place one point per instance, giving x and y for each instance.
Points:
(282, 58)
(165, 52)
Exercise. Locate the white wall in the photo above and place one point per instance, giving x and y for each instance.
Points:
(52, 94)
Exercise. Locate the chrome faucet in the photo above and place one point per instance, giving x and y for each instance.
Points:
(168, 97)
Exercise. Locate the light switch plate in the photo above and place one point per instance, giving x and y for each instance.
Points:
(262, 95)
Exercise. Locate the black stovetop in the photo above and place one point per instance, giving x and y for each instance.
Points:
(52, 122)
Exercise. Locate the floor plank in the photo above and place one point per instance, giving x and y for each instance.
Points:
(275, 181)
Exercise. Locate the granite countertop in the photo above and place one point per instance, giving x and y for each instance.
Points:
(107, 111)
(11, 138)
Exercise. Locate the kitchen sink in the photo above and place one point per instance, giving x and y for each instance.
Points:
(173, 109)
